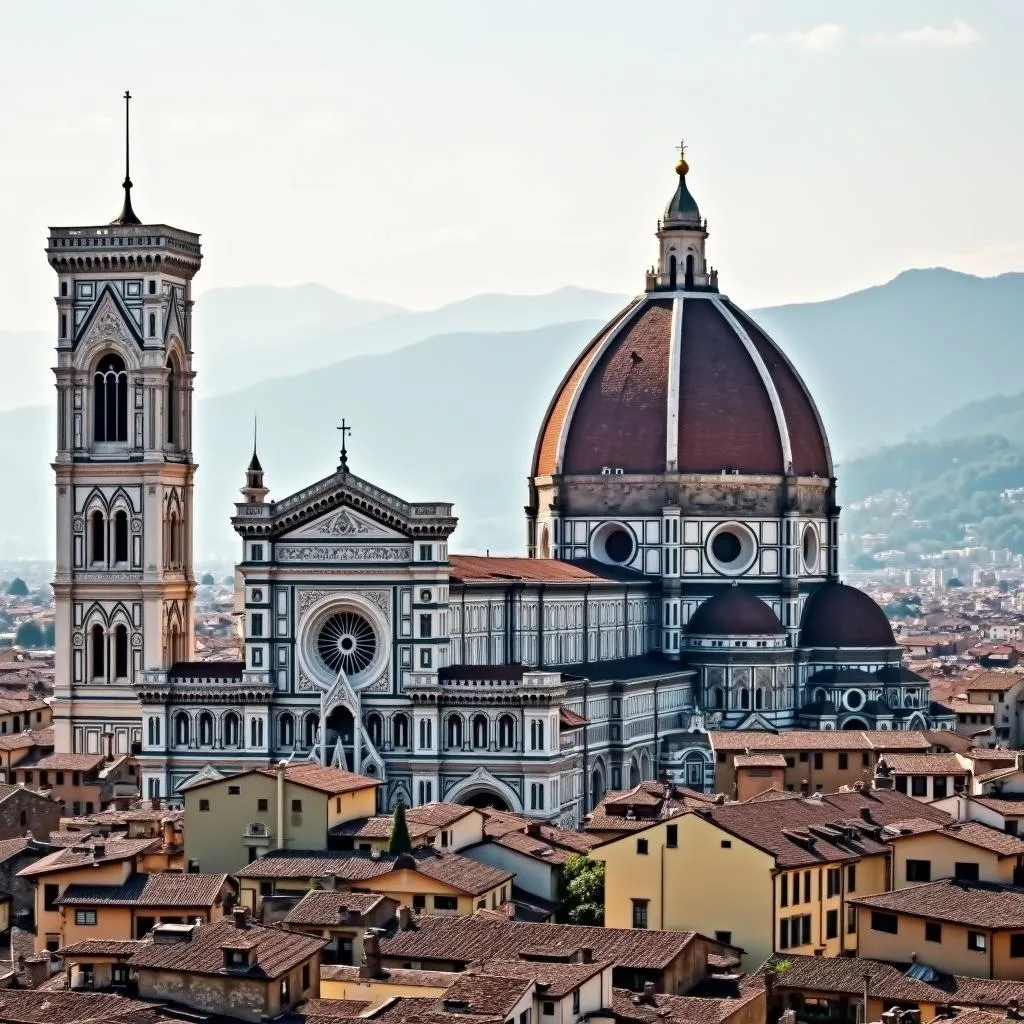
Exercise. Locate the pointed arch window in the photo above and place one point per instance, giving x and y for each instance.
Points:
(672, 270)
(110, 400)
(426, 734)
(232, 732)
(286, 730)
(537, 734)
(97, 537)
(206, 729)
(256, 732)
(374, 729)
(479, 732)
(120, 652)
(689, 270)
(400, 731)
(745, 699)
(454, 731)
(154, 732)
(121, 537)
(717, 698)
(506, 732)
(312, 723)
(173, 410)
(174, 540)
(98, 652)
(182, 729)
(758, 699)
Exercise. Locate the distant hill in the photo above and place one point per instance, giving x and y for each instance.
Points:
(453, 414)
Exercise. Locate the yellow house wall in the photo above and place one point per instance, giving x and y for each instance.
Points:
(362, 803)
(50, 921)
(465, 832)
(828, 778)
(5, 915)
(376, 992)
(944, 852)
(698, 885)
(951, 954)
(751, 781)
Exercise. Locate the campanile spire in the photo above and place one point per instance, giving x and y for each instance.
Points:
(127, 214)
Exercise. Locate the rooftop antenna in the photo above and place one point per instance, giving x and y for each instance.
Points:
(127, 215)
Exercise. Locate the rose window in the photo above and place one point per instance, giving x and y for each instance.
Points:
(346, 641)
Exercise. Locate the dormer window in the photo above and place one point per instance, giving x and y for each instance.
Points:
(236, 959)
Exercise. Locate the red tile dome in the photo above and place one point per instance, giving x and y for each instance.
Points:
(836, 615)
(683, 382)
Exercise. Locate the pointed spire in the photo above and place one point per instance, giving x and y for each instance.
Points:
(682, 207)
(345, 430)
(127, 214)
(255, 491)
(254, 462)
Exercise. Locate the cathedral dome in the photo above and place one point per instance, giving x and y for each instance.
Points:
(682, 382)
(836, 615)
(734, 612)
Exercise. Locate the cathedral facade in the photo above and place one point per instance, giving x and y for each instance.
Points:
(681, 570)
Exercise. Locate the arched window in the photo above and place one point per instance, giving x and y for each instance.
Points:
(745, 699)
(206, 729)
(110, 400)
(758, 699)
(232, 732)
(374, 729)
(689, 270)
(286, 730)
(400, 731)
(309, 730)
(820, 696)
(120, 652)
(121, 536)
(97, 537)
(506, 732)
(910, 701)
(182, 729)
(174, 647)
(154, 732)
(256, 732)
(172, 412)
(426, 734)
(537, 734)
(173, 540)
(98, 644)
(479, 732)
(454, 731)
(717, 698)
(672, 265)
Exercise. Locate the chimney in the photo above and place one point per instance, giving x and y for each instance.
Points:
(156, 803)
(329, 882)
(865, 813)
(789, 1017)
(168, 827)
(240, 915)
(108, 746)
(370, 967)
(99, 851)
(648, 996)
(533, 829)
(37, 968)
(404, 919)
(805, 787)
(586, 955)
(1013, 1010)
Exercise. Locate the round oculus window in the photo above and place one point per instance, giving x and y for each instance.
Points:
(726, 547)
(810, 548)
(346, 641)
(854, 700)
(618, 545)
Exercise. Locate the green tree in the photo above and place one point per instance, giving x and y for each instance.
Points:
(228, 581)
(207, 580)
(29, 634)
(400, 840)
(954, 582)
(581, 896)
(17, 587)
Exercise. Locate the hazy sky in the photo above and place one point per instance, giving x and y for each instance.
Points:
(421, 152)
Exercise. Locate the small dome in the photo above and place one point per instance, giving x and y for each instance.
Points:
(734, 612)
(836, 615)
(682, 207)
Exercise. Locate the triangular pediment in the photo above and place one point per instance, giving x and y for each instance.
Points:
(343, 523)
(109, 320)
(173, 321)
(756, 722)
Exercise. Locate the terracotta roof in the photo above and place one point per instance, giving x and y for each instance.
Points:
(439, 815)
(991, 754)
(533, 847)
(276, 951)
(502, 569)
(570, 720)
(80, 856)
(1006, 805)
(393, 975)
(734, 612)
(975, 833)
(924, 764)
(485, 994)
(845, 975)
(497, 823)
(66, 763)
(377, 827)
(12, 847)
(164, 889)
(975, 904)
(103, 947)
(465, 939)
(327, 907)
(759, 761)
(20, 705)
(634, 1008)
(558, 979)
(450, 869)
(836, 615)
(740, 740)
(316, 1010)
(314, 776)
(35, 1007)
(995, 681)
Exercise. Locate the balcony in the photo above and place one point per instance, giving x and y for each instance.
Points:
(258, 834)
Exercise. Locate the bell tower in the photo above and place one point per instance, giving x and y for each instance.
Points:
(124, 585)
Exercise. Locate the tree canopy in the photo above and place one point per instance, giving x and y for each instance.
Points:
(29, 634)
(17, 587)
(581, 898)
(400, 841)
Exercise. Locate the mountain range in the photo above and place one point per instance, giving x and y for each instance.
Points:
(445, 404)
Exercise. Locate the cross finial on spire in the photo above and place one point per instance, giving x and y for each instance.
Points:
(345, 431)
(127, 215)
(681, 165)
(682, 147)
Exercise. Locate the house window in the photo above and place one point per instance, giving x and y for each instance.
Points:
(851, 878)
(426, 552)
(851, 920)
(549, 1009)
(919, 785)
(888, 923)
(234, 790)
(284, 991)
(844, 762)
(263, 805)
(419, 901)
(446, 903)
(256, 553)
(426, 657)
(726, 844)
(305, 977)
(832, 924)
(426, 624)
(932, 931)
(296, 807)
(819, 761)
(833, 881)
(865, 760)
(641, 847)
(965, 871)
(976, 942)
(725, 937)
(807, 887)
(919, 870)
(257, 624)
(87, 917)
(639, 913)
(671, 836)
(204, 805)
(50, 894)
(575, 1002)
(784, 891)
(1017, 945)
